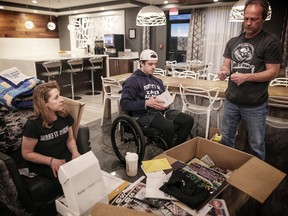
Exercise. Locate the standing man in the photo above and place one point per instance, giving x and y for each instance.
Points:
(251, 60)
(139, 98)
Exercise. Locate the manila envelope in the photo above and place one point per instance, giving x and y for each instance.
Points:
(156, 165)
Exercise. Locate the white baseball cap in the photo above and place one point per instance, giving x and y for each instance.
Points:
(148, 55)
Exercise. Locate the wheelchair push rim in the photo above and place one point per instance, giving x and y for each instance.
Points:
(127, 136)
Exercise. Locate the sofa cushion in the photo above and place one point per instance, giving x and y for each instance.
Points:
(11, 125)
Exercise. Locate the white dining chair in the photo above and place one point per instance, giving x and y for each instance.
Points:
(159, 71)
(199, 101)
(188, 74)
(112, 91)
(212, 76)
(279, 81)
(196, 61)
(277, 121)
(170, 67)
(203, 73)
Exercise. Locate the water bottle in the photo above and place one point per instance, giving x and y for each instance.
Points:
(131, 164)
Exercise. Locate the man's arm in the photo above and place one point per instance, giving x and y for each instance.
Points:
(225, 69)
(271, 72)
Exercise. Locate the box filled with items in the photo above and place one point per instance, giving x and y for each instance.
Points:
(198, 177)
(245, 174)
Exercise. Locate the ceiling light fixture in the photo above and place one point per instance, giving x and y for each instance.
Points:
(28, 23)
(51, 25)
(151, 16)
(70, 27)
(237, 12)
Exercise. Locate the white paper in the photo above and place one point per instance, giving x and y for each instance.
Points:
(167, 98)
(111, 182)
(14, 75)
(152, 189)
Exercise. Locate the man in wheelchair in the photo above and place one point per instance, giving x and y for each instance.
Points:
(139, 100)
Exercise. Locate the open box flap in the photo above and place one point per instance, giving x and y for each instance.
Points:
(256, 178)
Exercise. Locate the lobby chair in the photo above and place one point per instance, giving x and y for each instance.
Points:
(53, 68)
(188, 74)
(212, 76)
(159, 71)
(170, 67)
(279, 81)
(203, 72)
(199, 101)
(195, 61)
(96, 63)
(112, 91)
(76, 66)
(278, 103)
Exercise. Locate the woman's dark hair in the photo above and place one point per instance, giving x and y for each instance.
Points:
(265, 6)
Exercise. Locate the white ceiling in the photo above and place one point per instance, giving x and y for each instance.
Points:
(66, 7)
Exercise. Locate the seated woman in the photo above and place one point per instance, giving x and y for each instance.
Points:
(48, 140)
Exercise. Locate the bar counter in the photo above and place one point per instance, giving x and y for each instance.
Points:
(32, 66)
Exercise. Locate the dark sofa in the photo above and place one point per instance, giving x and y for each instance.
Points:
(25, 194)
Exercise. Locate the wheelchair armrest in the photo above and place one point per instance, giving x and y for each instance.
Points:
(83, 139)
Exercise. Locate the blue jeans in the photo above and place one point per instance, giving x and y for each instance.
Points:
(255, 121)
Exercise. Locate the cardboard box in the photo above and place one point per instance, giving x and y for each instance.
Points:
(83, 185)
(251, 176)
(101, 209)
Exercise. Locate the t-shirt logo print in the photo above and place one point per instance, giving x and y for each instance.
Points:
(151, 90)
(241, 58)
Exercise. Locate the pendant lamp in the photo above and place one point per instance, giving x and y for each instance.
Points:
(237, 12)
(51, 25)
(151, 16)
(28, 23)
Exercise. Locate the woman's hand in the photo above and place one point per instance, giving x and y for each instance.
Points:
(55, 165)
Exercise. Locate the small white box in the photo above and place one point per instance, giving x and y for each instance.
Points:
(82, 184)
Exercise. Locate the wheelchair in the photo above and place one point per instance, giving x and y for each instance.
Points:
(128, 136)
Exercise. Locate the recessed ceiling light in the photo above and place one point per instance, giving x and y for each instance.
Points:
(75, 11)
(215, 0)
(1, 7)
(34, 1)
(35, 11)
(165, 2)
(102, 8)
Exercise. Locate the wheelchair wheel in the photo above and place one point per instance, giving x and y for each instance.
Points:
(127, 136)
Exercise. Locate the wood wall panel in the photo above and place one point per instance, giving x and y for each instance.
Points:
(12, 25)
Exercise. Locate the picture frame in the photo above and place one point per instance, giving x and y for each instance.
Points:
(132, 33)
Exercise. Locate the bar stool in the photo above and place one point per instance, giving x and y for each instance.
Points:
(96, 63)
(53, 68)
(76, 66)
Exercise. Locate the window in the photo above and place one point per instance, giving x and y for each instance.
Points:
(178, 31)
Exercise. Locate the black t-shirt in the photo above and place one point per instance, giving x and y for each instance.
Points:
(249, 55)
(51, 141)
